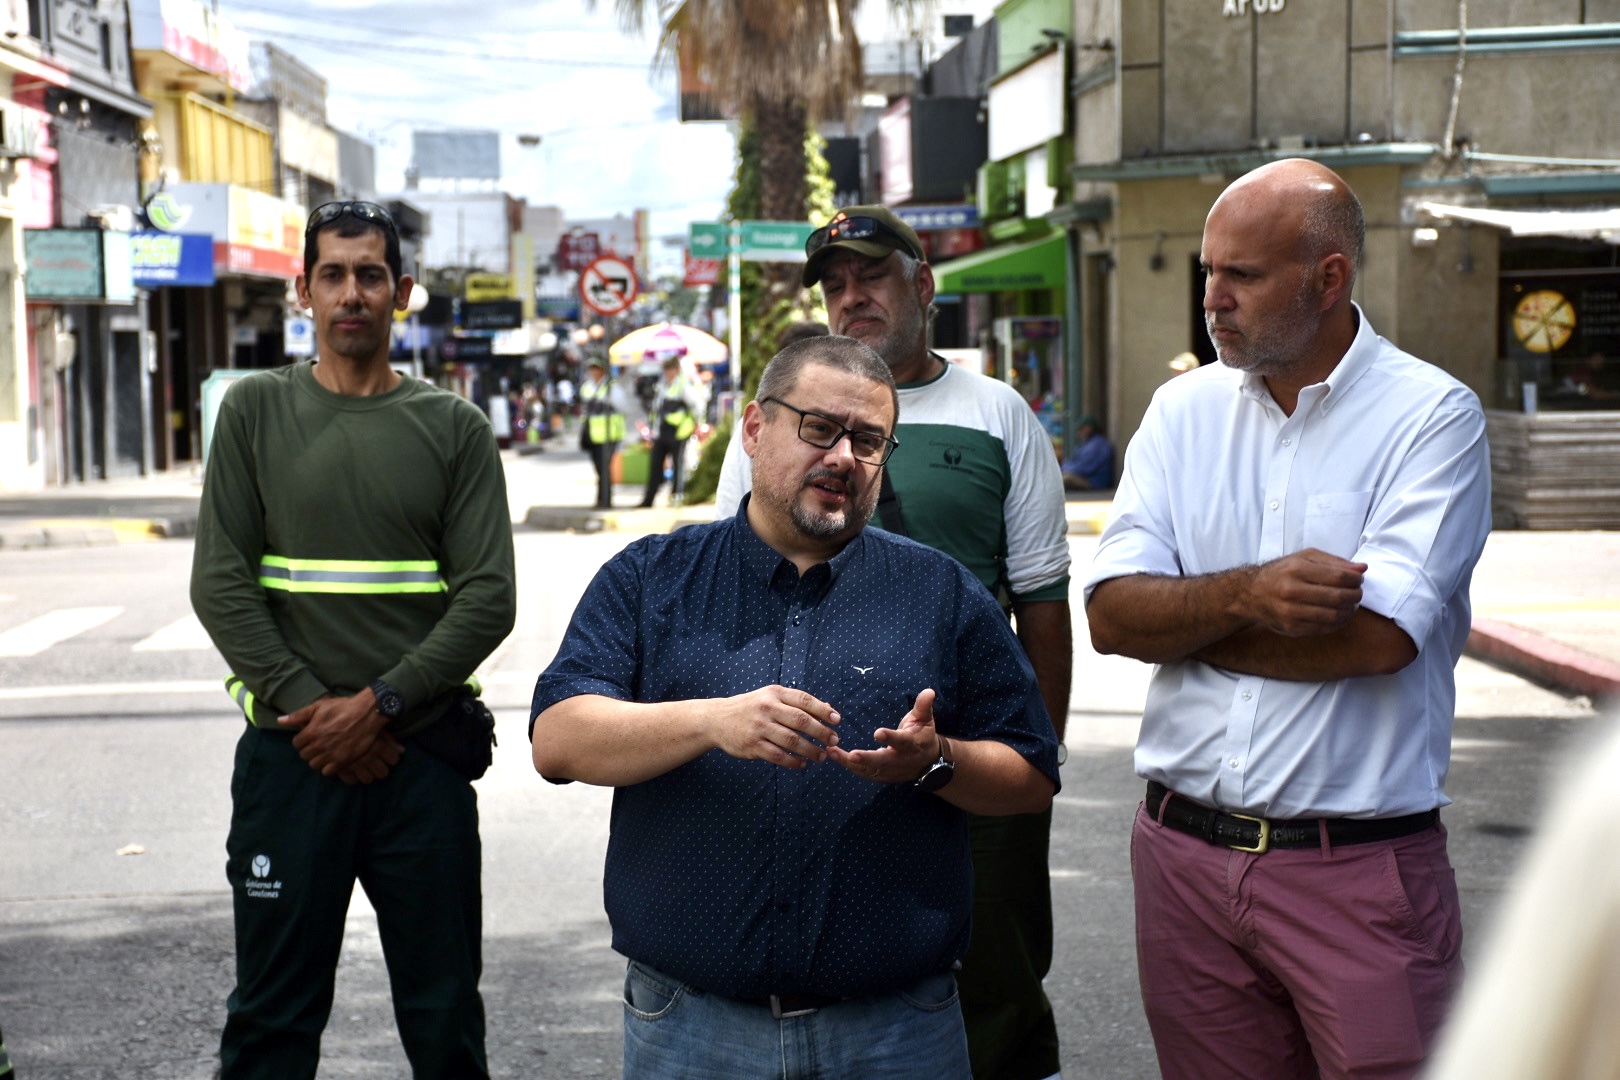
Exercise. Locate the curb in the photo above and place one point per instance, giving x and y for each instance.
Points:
(637, 520)
(72, 532)
(1540, 659)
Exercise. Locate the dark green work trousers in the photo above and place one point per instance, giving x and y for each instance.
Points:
(1012, 1034)
(298, 843)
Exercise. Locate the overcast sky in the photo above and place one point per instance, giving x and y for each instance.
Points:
(610, 142)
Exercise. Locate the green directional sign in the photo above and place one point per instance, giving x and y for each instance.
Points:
(775, 241)
(707, 239)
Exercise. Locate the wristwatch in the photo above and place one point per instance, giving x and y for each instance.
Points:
(940, 772)
(389, 703)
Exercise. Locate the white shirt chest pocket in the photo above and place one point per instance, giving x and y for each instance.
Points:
(1334, 521)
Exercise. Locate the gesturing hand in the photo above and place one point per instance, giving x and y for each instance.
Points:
(908, 748)
(1306, 593)
(786, 727)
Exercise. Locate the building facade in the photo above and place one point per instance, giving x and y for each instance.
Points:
(1441, 128)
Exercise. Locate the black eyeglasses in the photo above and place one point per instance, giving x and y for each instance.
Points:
(326, 213)
(857, 228)
(823, 433)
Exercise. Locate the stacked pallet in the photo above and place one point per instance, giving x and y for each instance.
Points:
(1555, 470)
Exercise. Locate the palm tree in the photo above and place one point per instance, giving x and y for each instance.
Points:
(781, 64)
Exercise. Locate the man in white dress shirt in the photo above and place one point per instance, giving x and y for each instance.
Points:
(1292, 545)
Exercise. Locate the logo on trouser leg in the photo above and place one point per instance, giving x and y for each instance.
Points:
(261, 886)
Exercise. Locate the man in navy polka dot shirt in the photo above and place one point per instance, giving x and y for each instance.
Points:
(797, 714)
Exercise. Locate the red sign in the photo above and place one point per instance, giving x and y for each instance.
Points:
(576, 251)
(609, 286)
(241, 259)
(701, 271)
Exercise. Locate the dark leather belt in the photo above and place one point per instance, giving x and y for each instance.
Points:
(1241, 832)
(787, 1006)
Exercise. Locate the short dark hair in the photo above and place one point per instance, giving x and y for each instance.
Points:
(348, 225)
(1335, 224)
(781, 375)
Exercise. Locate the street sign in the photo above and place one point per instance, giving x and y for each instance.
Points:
(775, 241)
(707, 239)
(608, 286)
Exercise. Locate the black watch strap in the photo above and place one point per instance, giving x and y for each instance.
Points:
(389, 703)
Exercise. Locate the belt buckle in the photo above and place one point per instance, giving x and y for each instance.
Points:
(778, 1013)
(1263, 844)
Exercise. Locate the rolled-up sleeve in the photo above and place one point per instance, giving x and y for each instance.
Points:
(1426, 529)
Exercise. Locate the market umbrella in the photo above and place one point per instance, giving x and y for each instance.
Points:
(667, 340)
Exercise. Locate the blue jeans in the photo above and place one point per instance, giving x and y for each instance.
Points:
(676, 1032)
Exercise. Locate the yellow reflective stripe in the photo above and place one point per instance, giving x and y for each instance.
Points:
(473, 685)
(241, 694)
(350, 575)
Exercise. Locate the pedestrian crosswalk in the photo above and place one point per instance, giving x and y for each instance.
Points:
(34, 636)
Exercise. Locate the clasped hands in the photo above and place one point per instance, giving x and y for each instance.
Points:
(792, 729)
(345, 737)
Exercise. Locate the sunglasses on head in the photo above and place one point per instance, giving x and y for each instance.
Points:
(327, 213)
(857, 228)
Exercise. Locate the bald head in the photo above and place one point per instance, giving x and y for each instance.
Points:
(1281, 247)
(1311, 200)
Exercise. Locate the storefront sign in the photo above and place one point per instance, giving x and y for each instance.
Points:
(253, 233)
(700, 271)
(84, 265)
(160, 258)
(929, 218)
(483, 287)
(492, 315)
(461, 350)
(194, 32)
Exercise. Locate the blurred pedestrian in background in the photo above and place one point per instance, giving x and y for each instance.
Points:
(678, 401)
(602, 429)
(1090, 465)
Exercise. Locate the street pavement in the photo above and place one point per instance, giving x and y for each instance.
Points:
(116, 965)
(1545, 603)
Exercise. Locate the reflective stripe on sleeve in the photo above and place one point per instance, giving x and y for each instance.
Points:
(350, 575)
(243, 696)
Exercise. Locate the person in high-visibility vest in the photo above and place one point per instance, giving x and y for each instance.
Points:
(678, 402)
(353, 565)
(603, 429)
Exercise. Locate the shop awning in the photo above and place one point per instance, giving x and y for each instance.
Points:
(1037, 265)
(1600, 224)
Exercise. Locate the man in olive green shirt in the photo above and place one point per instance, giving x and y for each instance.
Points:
(353, 566)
